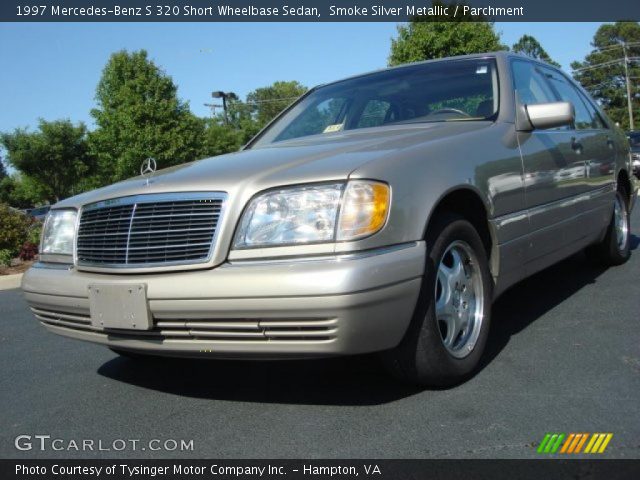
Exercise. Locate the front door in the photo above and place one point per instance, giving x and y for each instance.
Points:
(554, 172)
(596, 148)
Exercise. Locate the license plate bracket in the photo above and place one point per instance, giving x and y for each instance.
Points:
(119, 306)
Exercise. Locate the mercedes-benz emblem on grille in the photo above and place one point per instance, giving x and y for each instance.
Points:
(148, 168)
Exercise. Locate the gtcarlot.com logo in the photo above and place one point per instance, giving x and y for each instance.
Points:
(45, 443)
(573, 443)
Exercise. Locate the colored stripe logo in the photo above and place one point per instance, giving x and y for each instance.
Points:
(575, 442)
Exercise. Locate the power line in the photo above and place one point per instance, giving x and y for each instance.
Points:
(625, 60)
(629, 44)
(593, 87)
(605, 64)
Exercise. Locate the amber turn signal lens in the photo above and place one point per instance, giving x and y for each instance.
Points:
(364, 210)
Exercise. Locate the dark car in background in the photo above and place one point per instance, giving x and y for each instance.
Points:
(39, 213)
(634, 142)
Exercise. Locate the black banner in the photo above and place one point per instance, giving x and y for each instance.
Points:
(320, 469)
(314, 10)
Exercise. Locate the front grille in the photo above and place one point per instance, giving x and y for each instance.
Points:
(149, 230)
(260, 330)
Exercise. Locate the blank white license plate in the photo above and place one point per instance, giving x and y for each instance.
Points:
(119, 306)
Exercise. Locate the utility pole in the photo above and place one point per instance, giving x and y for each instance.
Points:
(224, 96)
(213, 108)
(626, 77)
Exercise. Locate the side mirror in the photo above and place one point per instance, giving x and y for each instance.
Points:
(550, 115)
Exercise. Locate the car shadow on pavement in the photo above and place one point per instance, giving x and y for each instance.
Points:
(357, 380)
(347, 381)
(528, 300)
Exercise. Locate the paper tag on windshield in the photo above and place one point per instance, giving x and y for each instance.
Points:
(481, 69)
(333, 128)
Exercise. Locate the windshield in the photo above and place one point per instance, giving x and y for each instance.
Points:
(447, 91)
(634, 140)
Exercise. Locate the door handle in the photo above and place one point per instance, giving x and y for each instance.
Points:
(576, 146)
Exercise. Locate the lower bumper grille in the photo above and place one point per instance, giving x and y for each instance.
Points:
(214, 330)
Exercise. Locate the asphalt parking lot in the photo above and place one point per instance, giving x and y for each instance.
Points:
(563, 356)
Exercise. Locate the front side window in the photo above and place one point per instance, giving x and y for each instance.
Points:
(445, 91)
(597, 122)
(529, 84)
(568, 93)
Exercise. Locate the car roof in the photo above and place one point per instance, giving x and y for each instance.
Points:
(496, 54)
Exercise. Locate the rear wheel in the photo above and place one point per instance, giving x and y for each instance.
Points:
(448, 333)
(615, 248)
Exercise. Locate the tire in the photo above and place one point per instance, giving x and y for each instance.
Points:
(615, 248)
(429, 354)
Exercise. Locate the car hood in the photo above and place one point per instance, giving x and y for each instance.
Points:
(316, 158)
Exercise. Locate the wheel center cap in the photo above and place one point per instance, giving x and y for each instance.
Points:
(456, 298)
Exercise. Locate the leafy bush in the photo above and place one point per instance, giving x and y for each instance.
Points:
(28, 251)
(5, 257)
(14, 230)
(34, 233)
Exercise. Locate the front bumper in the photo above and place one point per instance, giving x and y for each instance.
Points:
(323, 306)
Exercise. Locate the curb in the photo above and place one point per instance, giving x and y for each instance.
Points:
(9, 282)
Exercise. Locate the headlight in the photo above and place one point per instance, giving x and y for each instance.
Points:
(314, 214)
(58, 233)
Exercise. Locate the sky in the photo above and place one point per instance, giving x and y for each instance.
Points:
(50, 70)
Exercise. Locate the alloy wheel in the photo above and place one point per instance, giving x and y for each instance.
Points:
(621, 223)
(459, 296)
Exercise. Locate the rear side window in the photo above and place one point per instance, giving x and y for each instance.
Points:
(530, 84)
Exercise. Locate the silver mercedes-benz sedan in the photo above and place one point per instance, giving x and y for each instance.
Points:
(381, 213)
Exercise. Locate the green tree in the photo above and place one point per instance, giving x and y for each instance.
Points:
(6, 190)
(602, 71)
(140, 115)
(240, 116)
(245, 119)
(221, 138)
(267, 102)
(55, 158)
(529, 46)
(426, 38)
(20, 191)
(228, 134)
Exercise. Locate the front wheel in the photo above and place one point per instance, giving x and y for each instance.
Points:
(448, 332)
